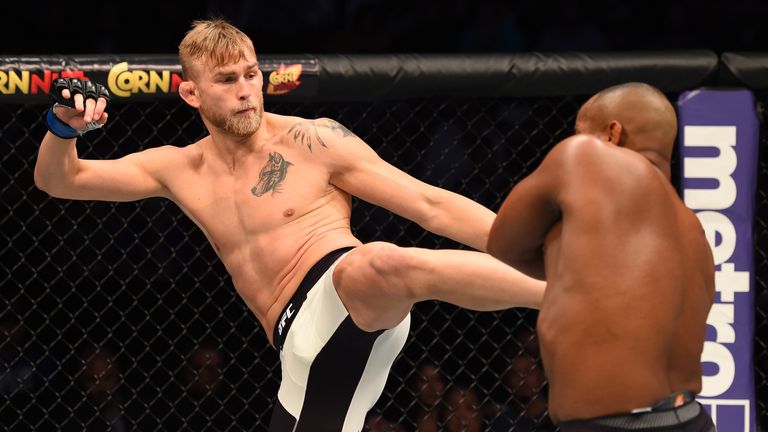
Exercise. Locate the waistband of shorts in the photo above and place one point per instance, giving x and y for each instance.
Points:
(677, 409)
(310, 279)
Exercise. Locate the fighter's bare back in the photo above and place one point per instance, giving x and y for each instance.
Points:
(621, 286)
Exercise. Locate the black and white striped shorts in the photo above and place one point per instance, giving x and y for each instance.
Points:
(332, 371)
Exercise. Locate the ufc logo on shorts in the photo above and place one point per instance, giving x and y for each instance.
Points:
(287, 314)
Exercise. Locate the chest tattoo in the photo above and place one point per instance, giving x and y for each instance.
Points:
(272, 175)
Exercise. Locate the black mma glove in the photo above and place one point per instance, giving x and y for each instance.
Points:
(88, 89)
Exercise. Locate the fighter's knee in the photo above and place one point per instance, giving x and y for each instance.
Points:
(385, 260)
(382, 268)
(398, 268)
(355, 269)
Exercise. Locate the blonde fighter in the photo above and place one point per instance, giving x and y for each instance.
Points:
(273, 195)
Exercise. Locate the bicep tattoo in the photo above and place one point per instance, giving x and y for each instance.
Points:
(306, 132)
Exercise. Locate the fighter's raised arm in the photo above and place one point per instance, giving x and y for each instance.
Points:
(79, 108)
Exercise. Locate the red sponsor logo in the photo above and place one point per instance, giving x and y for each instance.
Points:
(28, 82)
(285, 79)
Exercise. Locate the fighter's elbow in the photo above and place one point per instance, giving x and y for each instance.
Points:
(495, 244)
(499, 250)
(41, 182)
(49, 185)
(528, 264)
(492, 246)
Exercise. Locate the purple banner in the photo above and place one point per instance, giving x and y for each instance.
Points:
(719, 138)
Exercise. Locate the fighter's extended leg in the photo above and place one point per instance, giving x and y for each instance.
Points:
(379, 282)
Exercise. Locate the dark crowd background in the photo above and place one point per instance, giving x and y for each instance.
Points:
(388, 26)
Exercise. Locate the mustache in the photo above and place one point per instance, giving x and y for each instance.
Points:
(245, 107)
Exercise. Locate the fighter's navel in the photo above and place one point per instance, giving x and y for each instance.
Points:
(289, 213)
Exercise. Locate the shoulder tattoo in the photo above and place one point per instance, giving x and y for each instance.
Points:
(306, 133)
(272, 175)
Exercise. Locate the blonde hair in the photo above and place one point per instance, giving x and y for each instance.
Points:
(214, 41)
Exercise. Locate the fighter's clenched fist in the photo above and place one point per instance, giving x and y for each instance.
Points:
(79, 107)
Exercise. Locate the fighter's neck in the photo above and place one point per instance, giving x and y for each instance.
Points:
(230, 150)
(659, 161)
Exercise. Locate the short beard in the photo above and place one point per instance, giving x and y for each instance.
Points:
(241, 126)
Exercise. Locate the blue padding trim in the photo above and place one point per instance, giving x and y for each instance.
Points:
(58, 127)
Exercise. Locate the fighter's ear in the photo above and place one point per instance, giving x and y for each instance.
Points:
(615, 130)
(188, 92)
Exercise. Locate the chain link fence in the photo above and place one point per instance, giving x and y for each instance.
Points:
(121, 316)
